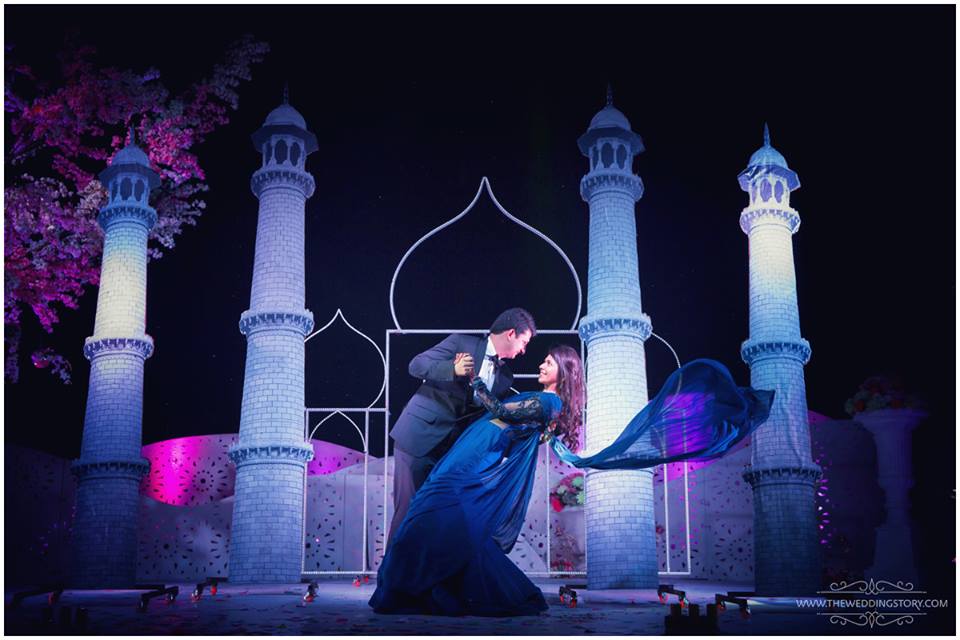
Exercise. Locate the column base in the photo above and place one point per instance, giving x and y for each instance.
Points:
(893, 555)
(104, 539)
(267, 533)
(621, 530)
(786, 552)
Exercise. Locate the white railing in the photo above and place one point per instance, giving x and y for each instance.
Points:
(385, 394)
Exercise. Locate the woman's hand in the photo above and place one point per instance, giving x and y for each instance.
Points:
(463, 365)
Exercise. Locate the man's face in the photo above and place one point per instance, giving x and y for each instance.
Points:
(516, 343)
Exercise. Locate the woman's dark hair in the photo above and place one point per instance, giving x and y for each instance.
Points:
(517, 319)
(570, 388)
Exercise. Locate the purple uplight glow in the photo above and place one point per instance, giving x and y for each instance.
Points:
(675, 471)
(673, 440)
(821, 458)
(195, 470)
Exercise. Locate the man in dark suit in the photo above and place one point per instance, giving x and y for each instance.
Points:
(444, 405)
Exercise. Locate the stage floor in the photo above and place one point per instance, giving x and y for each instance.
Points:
(341, 609)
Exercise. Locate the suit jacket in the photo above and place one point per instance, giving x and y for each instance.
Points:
(443, 402)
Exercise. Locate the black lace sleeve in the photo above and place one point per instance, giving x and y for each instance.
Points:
(529, 410)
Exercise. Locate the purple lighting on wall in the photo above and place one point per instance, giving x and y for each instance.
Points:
(195, 470)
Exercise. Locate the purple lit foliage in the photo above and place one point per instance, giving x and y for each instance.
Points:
(71, 131)
(59, 366)
(51, 251)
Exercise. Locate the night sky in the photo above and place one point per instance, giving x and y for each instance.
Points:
(412, 106)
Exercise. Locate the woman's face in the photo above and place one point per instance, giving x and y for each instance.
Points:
(549, 371)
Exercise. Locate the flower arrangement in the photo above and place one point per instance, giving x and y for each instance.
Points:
(566, 551)
(880, 392)
(568, 492)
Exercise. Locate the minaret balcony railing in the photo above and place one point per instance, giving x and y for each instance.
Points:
(243, 455)
(751, 217)
(141, 346)
(273, 176)
(806, 475)
(253, 321)
(611, 180)
(100, 469)
(113, 214)
(619, 325)
(756, 350)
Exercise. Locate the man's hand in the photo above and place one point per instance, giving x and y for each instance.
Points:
(549, 432)
(463, 365)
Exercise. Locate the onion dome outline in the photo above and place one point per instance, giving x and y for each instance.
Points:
(485, 184)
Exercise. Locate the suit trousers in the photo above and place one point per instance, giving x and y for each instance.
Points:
(409, 474)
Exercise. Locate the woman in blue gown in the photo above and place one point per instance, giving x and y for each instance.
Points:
(449, 555)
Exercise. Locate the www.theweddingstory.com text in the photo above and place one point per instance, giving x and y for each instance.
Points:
(872, 603)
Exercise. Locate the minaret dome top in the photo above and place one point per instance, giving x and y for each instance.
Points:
(767, 160)
(285, 114)
(767, 155)
(285, 120)
(609, 116)
(609, 122)
(131, 159)
(131, 154)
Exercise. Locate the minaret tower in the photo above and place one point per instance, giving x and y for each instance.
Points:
(266, 543)
(782, 472)
(621, 543)
(110, 465)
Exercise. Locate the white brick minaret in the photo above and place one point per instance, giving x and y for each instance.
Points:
(782, 472)
(110, 465)
(266, 542)
(621, 542)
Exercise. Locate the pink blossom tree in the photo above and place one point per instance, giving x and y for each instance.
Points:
(59, 138)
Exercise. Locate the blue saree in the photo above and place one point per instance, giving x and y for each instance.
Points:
(449, 554)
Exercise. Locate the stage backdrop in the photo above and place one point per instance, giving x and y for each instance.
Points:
(186, 508)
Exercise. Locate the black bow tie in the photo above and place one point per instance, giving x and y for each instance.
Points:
(497, 362)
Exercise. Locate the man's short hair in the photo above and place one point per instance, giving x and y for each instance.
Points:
(517, 319)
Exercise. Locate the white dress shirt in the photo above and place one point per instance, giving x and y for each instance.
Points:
(486, 371)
